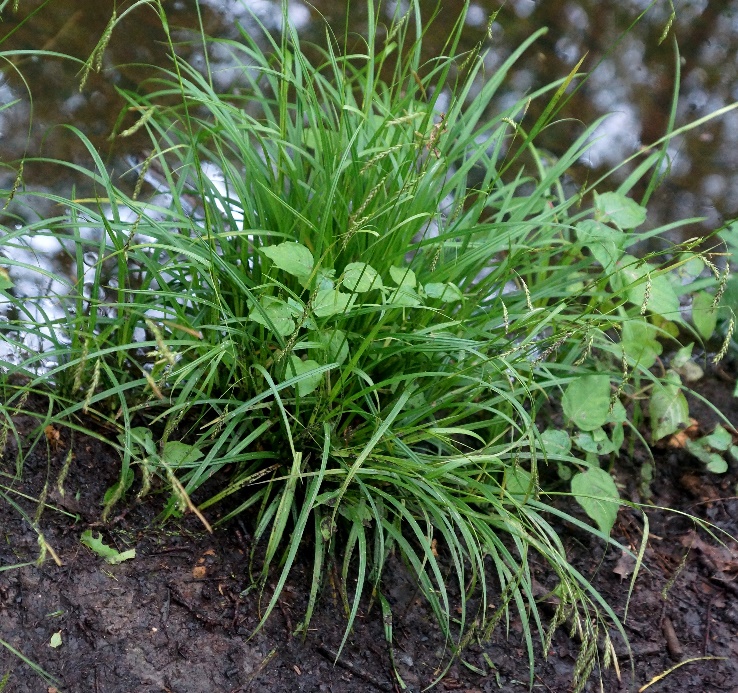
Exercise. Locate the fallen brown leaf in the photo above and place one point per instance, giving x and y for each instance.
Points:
(625, 566)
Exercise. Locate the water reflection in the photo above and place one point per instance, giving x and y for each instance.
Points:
(634, 83)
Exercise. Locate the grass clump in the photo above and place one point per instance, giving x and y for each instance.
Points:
(353, 293)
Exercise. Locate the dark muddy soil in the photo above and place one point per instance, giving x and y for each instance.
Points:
(176, 618)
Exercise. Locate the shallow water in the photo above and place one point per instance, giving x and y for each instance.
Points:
(633, 82)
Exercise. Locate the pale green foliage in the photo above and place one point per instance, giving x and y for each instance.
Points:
(98, 546)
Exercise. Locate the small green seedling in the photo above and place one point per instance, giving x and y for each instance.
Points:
(103, 550)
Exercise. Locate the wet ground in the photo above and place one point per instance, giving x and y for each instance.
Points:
(179, 616)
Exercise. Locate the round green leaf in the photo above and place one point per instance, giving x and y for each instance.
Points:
(703, 317)
(719, 439)
(668, 409)
(404, 296)
(595, 490)
(178, 454)
(330, 302)
(604, 242)
(360, 277)
(335, 345)
(519, 484)
(272, 310)
(586, 401)
(443, 291)
(717, 465)
(639, 342)
(403, 276)
(621, 210)
(556, 442)
(661, 298)
(293, 258)
(310, 381)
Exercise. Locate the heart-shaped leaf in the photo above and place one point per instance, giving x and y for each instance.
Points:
(330, 302)
(621, 210)
(310, 382)
(360, 277)
(293, 258)
(668, 409)
(597, 493)
(586, 401)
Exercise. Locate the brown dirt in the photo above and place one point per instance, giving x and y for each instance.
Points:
(176, 618)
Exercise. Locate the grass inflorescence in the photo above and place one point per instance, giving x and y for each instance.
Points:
(348, 305)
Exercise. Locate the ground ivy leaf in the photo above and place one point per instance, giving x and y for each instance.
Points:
(621, 210)
(299, 367)
(639, 343)
(586, 401)
(330, 302)
(717, 465)
(404, 296)
(604, 242)
(103, 550)
(719, 439)
(361, 277)
(403, 277)
(443, 291)
(682, 356)
(142, 441)
(176, 453)
(597, 482)
(662, 296)
(278, 312)
(519, 484)
(556, 442)
(703, 317)
(713, 461)
(595, 442)
(618, 415)
(668, 409)
(335, 344)
(293, 258)
(734, 452)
